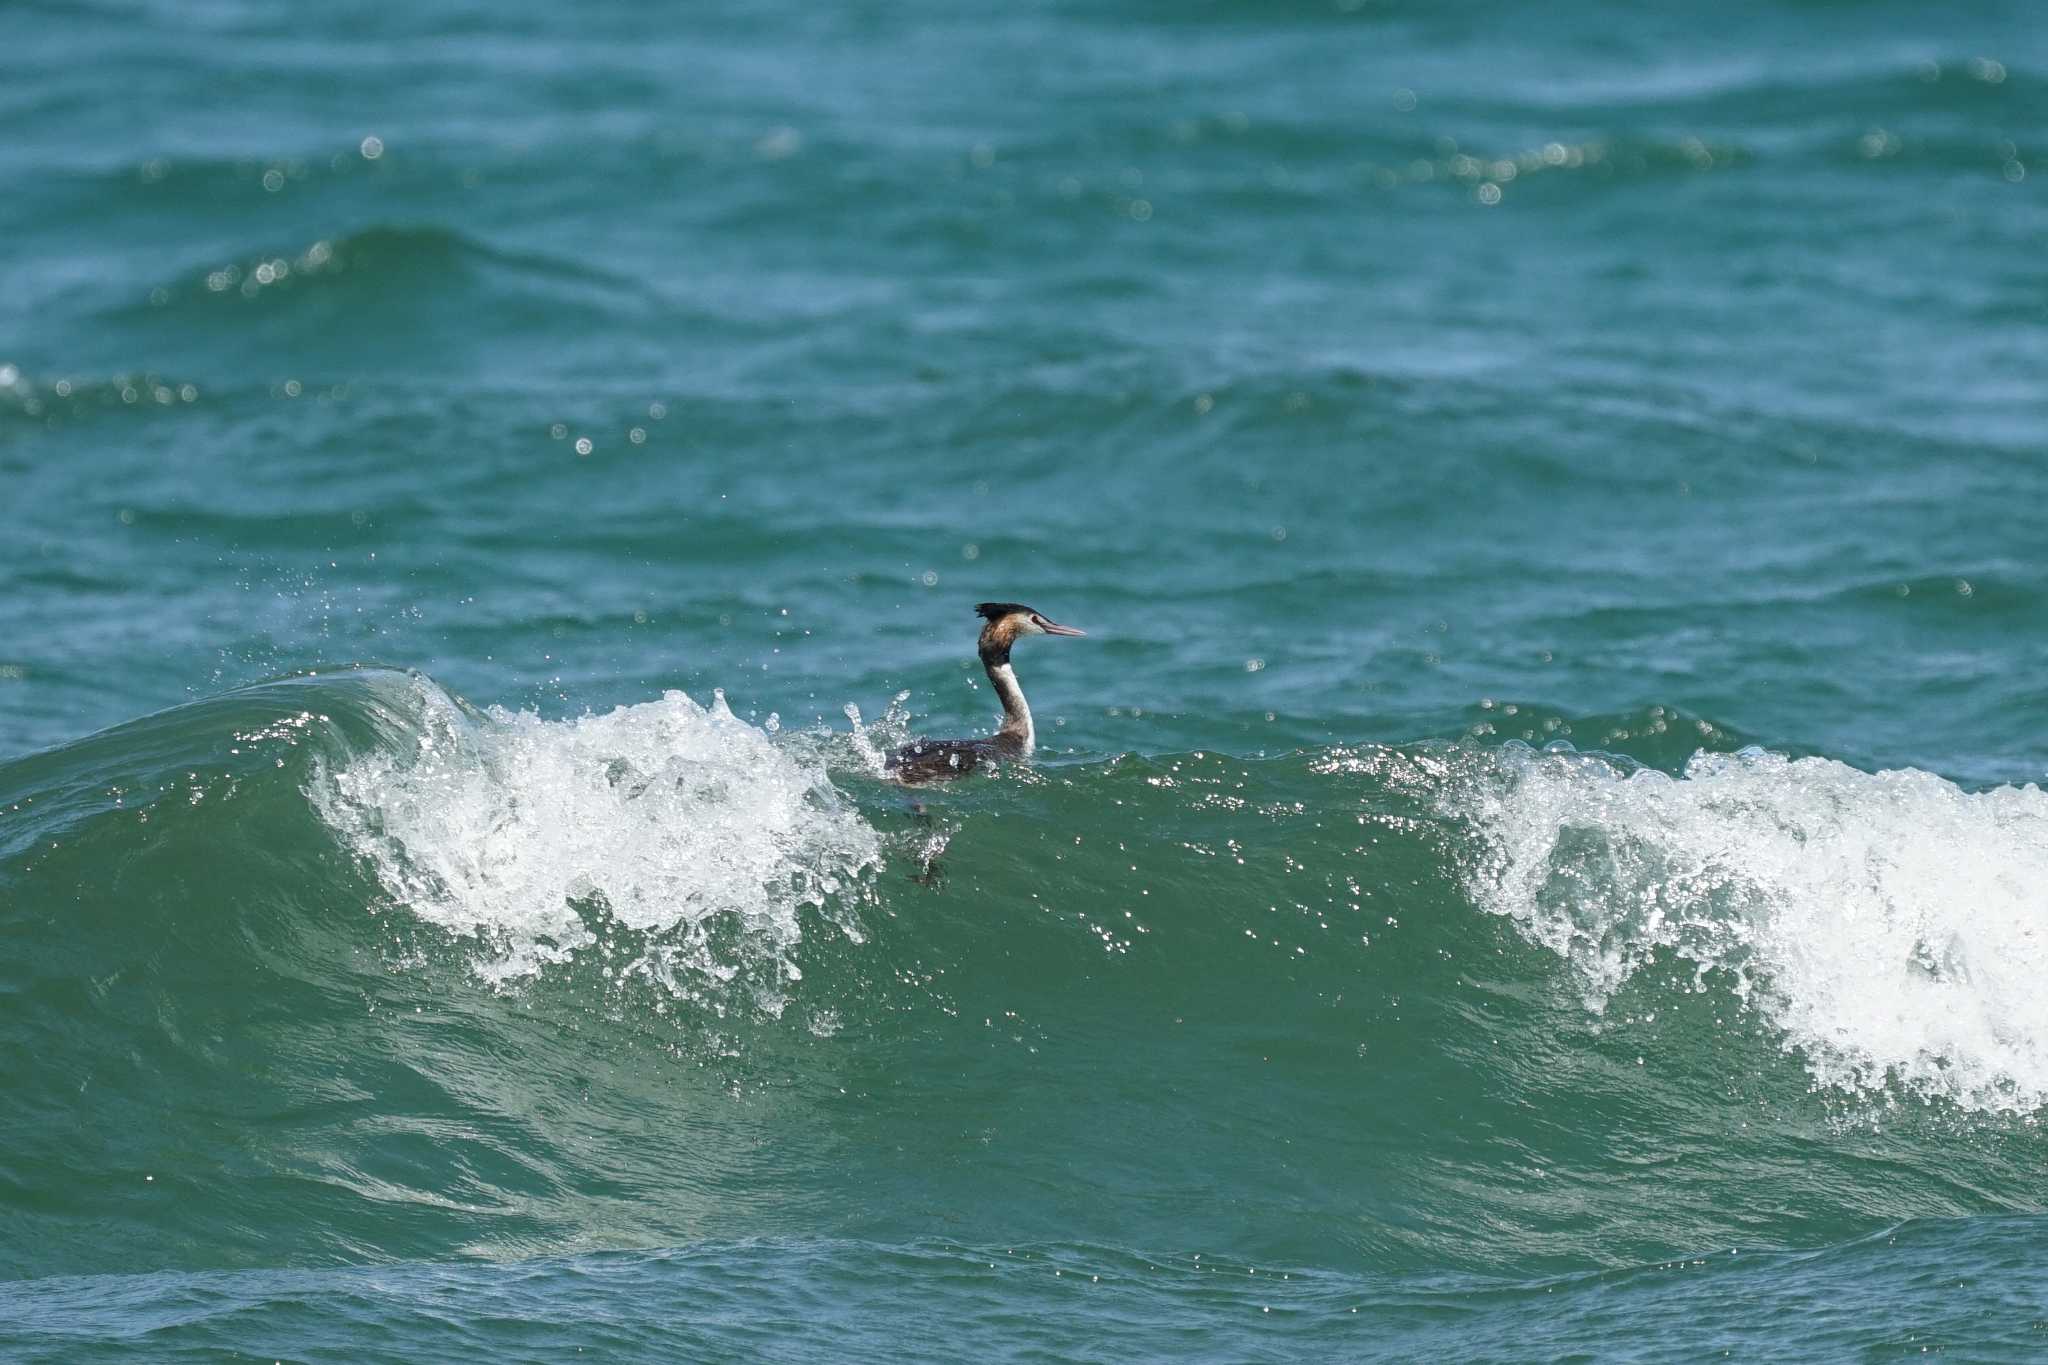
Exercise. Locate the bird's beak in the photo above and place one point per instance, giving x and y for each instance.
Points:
(1052, 629)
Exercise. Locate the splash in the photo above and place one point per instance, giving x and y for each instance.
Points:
(1891, 925)
(872, 743)
(690, 829)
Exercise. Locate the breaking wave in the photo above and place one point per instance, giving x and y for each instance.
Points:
(472, 980)
(671, 819)
(1892, 926)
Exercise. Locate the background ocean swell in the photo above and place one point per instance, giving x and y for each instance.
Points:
(725, 1300)
(879, 332)
(1459, 1005)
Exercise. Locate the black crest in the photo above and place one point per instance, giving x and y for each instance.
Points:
(996, 611)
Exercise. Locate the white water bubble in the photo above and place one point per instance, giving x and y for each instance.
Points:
(1888, 925)
(778, 144)
(661, 817)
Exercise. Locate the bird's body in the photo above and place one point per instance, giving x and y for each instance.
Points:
(942, 760)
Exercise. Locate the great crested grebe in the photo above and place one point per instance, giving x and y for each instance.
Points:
(942, 760)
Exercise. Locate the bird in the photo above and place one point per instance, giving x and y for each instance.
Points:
(941, 760)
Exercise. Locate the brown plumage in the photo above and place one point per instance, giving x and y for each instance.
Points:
(942, 760)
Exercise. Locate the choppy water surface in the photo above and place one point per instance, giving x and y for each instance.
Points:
(1540, 854)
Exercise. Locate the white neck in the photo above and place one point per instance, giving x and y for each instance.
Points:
(1016, 711)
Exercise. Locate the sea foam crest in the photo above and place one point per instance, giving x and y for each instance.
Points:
(667, 817)
(1892, 925)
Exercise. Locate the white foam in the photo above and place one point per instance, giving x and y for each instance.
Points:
(664, 817)
(1893, 926)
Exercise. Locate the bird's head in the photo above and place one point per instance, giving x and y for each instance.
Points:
(1008, 620)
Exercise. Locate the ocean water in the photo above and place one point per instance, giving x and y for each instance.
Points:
(1540, 855)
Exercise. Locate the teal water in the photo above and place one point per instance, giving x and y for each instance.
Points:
(1539, 857)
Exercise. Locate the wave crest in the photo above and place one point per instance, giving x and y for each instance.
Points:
(679, 822)
(1891, 925)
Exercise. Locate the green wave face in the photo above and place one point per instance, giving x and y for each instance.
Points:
(343, 964)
